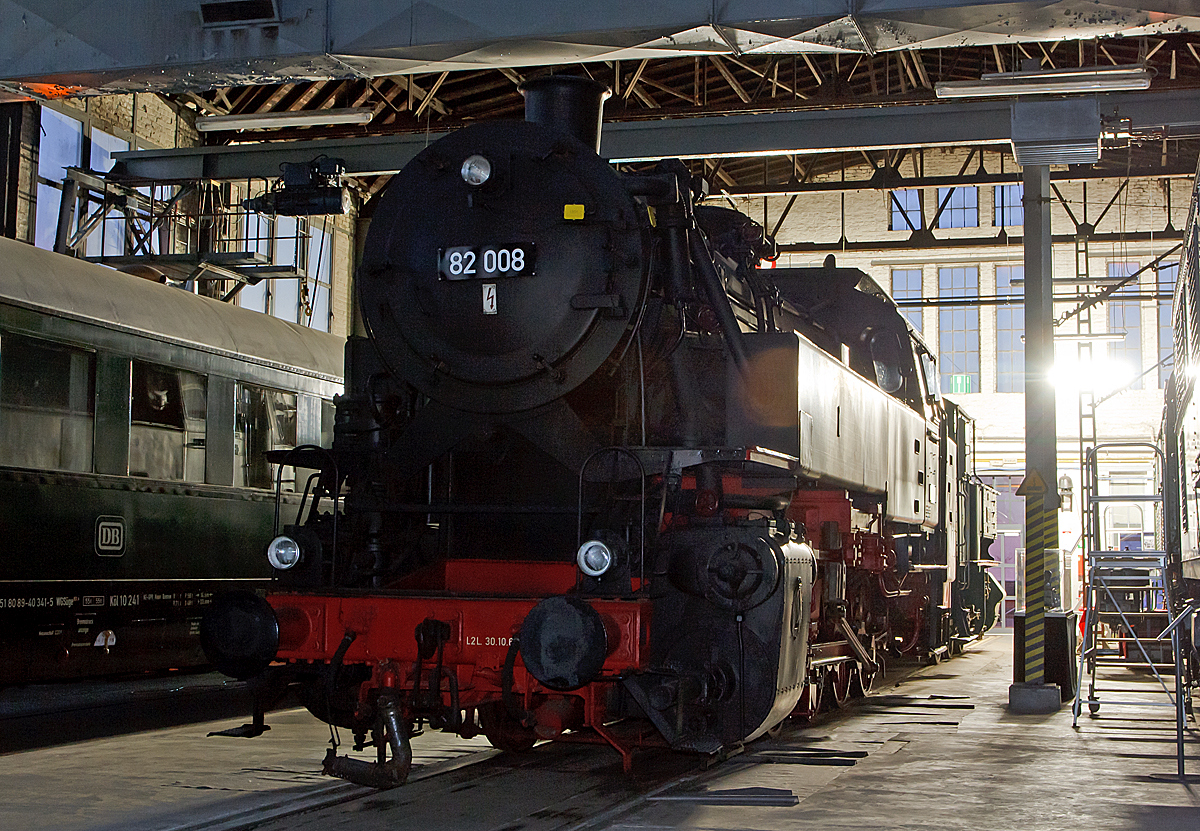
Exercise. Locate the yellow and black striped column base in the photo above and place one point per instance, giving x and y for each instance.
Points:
(1034, 696)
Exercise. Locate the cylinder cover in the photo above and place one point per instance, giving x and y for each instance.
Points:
(563, 643)
(239, 634)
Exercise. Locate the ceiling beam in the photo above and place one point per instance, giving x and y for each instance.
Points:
(1073, 174)
(929, 242)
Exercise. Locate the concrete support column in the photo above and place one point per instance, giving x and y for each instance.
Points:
(14, 128)
(1041, 443)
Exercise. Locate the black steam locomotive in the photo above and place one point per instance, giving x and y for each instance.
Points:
(600, 477)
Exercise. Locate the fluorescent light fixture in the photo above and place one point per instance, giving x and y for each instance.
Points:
(1083, 337)
(273, 121)
(1049, 82)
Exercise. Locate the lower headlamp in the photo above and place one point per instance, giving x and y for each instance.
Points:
(594, 558)
(283, 552)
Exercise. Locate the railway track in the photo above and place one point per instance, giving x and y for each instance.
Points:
(562, 787)
(334, 793)
(182, 779)
(555, 787)
(479, 784)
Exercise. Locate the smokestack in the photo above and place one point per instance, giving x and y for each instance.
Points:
(567, 103)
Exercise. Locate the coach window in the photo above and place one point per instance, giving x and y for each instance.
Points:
(266, 420)
(167, 410)
(47, 405)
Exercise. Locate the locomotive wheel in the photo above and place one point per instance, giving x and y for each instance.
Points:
(863, 681)
(839, 679)
(858, 684)
(810, 701)
(502, 730)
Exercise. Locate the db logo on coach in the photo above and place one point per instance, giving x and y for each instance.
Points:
(110, 536)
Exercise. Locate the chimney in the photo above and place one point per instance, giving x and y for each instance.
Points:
(566, 103)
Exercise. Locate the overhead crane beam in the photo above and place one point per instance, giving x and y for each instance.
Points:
(170, 45)
(970, 123)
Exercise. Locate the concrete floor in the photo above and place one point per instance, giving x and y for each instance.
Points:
(944, 753)
(938, 750)
(182, 778)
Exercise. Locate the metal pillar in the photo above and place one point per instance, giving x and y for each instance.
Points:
(1040, 489)
(12, 118)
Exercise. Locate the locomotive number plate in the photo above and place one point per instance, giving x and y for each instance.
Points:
(485, 262)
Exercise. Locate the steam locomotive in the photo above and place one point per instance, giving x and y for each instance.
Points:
(597, 476)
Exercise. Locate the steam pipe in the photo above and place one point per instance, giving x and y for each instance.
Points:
(714, 289)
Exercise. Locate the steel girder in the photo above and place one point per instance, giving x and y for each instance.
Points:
(61, 47)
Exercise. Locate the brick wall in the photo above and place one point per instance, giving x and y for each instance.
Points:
(143, 119)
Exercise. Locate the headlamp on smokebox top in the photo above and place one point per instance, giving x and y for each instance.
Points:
(476, 170)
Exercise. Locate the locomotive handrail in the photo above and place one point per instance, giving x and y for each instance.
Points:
(642, 505)
(316, 499)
